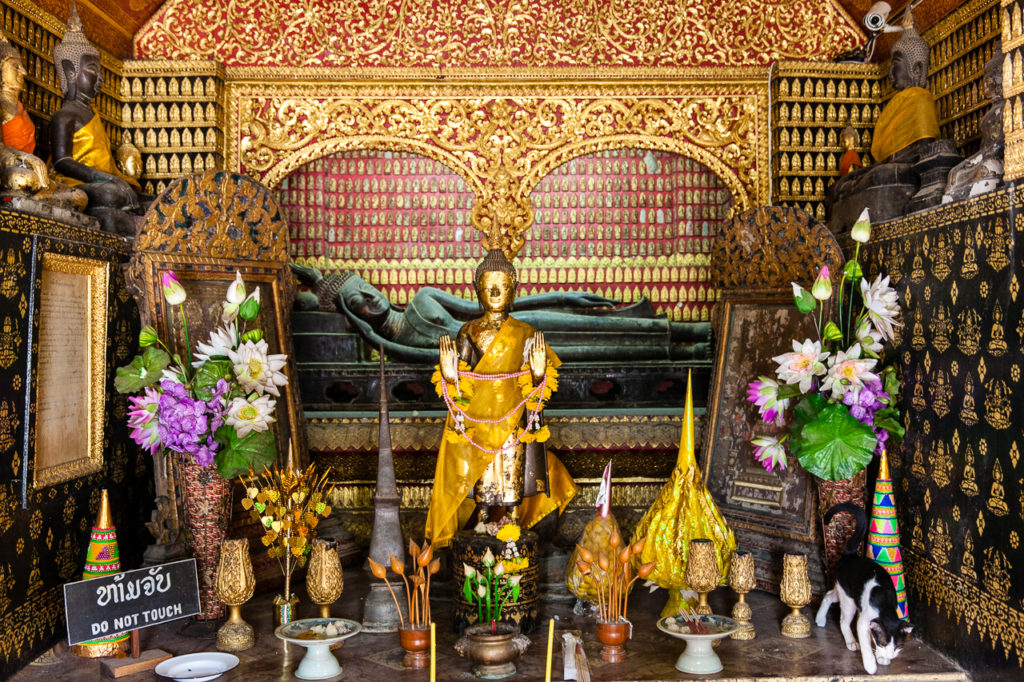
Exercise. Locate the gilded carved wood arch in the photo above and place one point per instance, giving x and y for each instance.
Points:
(502, 137)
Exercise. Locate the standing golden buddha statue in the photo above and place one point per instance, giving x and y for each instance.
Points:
(494, 378)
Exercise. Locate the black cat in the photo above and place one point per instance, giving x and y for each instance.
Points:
(862, 585)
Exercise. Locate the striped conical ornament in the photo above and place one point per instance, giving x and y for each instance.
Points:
(884, 535)
(102, 558)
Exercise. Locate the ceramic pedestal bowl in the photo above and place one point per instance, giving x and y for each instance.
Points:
(699, 658)
(318, 663)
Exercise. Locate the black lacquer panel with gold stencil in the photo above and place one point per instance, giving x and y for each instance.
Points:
(44, 531)
(959, 475)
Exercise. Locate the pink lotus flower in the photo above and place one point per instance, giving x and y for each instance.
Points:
(769, 451)
(849, 372)
(174, 293)
(802, 365)
(822, 288)
(765, 394)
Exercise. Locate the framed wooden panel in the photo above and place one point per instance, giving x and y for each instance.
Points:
(70, 368)
(772, 513)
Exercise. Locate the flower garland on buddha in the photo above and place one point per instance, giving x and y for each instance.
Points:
(495, 379)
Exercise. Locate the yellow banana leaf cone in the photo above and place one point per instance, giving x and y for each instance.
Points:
(597, 536)
(684, 511)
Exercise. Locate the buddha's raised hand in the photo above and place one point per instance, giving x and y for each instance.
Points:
(449, 359)
(538, 356)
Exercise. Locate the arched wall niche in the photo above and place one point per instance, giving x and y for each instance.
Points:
(503, 137)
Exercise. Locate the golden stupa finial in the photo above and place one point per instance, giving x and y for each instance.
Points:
(104, 519)
(687, 457)
(883, 467)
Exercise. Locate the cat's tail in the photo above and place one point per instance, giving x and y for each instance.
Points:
(853, 544)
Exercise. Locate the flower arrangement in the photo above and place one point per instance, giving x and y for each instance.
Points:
(613, 575)
(490, 589)
(509, 533)
(286, 504)
(456, 397)
(843, 400)
(417, 584)
(216, 409)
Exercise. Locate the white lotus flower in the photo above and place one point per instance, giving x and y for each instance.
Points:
(849, 372)
(247, 416)
(881, 302)
(256, 370)
(236, 290)
(222, 341)
(802, 365)
(869, 338)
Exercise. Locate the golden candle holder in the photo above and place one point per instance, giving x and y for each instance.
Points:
(795, 592)
(741, 580)
(702, 572)
(234, 585)
(324, 580)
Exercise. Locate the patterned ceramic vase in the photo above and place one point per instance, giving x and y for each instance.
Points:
(207, 504)
(835, 534)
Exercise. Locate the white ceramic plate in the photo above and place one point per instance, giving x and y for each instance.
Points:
(206, 665)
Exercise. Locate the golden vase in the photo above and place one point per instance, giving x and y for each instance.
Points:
(795, 592)
(741, 580)
(324, 580)
(234, 585)
(702, 572)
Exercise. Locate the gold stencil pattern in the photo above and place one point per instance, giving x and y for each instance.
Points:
(543, 33)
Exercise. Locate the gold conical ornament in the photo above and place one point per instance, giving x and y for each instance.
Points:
(684, 511)
(102, 559)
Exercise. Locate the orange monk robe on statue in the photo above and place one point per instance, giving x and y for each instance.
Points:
(20, 132)
(908, 117)
(460, 464)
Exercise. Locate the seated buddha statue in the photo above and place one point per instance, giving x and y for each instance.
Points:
(494, 449)
(983, 172)
(21, 171)
(79, 145)
(580, 326)
(911, 161)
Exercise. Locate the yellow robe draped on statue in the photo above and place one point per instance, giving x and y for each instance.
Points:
(91, 146)
(460, 464)
(908, 117)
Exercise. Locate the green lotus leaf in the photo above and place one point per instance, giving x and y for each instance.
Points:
(143, 371)
(834, 446)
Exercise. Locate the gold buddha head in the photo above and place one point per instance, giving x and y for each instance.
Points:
(129, 160)
(849, 137)
(77, 60)
(12, 70)
(495, 282)
(910, 58)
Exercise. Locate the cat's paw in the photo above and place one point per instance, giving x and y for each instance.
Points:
(820, 620)
(870, 666)
(852, 646)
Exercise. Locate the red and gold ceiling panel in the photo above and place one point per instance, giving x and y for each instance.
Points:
(496, 33)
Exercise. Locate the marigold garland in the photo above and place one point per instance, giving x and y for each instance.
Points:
(456, 395)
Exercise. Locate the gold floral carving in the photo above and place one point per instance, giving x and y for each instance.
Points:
(503, 140)
(442, 33)
(214, 214)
